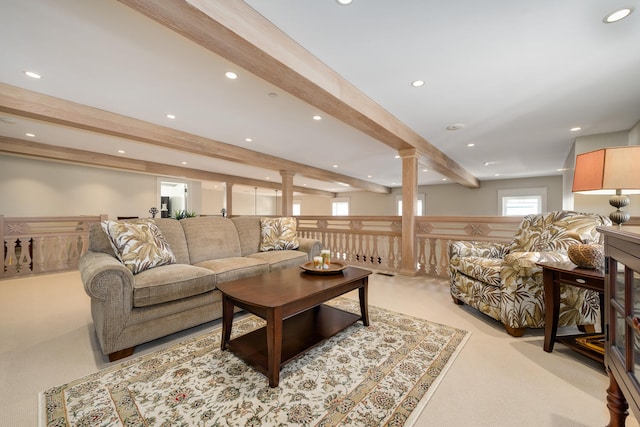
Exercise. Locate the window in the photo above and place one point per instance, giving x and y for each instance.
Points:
(522, 201)
(419, 205)
(295, 209)
(340, 206)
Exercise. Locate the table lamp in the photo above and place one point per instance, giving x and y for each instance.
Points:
(612, 168)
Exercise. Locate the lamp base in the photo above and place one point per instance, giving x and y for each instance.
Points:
(619, 201)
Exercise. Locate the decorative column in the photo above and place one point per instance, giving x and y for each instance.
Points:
(229, 198)
(287, 192)
(409, 202)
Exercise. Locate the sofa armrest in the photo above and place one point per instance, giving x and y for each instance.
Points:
(311, 246)
(100, 272)
(110, 285)
(464, 248)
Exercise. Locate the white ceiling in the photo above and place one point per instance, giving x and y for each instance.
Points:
(518, 75)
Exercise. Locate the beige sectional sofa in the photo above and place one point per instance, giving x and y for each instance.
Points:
(130, 309)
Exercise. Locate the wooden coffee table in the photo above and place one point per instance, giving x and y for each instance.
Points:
(290, 301)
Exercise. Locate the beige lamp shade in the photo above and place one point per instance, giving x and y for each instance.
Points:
(613, 168)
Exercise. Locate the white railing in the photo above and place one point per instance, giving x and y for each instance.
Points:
(44, 244)
(376, 242)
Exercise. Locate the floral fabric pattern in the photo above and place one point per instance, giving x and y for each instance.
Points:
(138, 244)
(516, 296)
(382, 374)
(278, 234)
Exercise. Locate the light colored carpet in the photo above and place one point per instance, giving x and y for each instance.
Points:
(47, 339)
(378, 375)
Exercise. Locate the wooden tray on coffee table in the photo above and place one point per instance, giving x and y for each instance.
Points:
(334, 268)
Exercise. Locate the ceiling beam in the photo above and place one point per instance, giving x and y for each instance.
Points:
(25, 103)
(25, 148)
(236, 32)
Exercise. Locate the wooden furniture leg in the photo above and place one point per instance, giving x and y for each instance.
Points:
(364, 305)
(616, 402)
(514, 332)
(552, 310)
(121, 354)
(274, 345)
(227, 321)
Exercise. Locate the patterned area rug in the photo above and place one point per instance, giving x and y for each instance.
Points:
(379, 375)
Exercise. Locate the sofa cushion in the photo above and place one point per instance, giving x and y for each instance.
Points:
(278, 234)
(248, 228)
(281, 259)
(233, 268)
(170, 283)
(174, 235)
(138, 244)
(486, 270)
(210, 237)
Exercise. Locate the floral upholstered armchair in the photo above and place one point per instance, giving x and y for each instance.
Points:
(504, 282)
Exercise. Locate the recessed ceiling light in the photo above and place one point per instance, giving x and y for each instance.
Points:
(397, 156)
(184, 163)
(316, 117)
(575, 129)
(248, 139)
(444, 179)
(344, 2)
(273, 95)
(268, 178)
(30, 135)
(496, 174)
(121, 151)
(617, 15)
(425, 170)
(471, 144)
(455, 126)
(417, 83)
(33, 75)
(369, 176)
(171, 116)
(231, 75)
(335, 166)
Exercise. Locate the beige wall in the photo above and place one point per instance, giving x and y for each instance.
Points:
(44, 188)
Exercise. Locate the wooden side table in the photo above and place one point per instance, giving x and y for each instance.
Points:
(567, 273)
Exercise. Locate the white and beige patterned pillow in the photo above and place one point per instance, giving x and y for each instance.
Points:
(138, 244)
(278, 234)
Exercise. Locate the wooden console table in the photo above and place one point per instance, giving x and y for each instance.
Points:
(567, 273)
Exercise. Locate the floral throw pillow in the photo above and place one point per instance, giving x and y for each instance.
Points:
(278, 234)
(139, 245)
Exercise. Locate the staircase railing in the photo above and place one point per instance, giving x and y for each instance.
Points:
(51, 244)
(376, 241)
(43, 244)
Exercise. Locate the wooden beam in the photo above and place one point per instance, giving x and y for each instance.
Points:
(24, 148)
(236, 32)
(25, 103)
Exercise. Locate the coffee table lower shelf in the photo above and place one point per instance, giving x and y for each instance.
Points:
(299, 333)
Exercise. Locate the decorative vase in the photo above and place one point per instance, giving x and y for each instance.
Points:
(587, 255)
